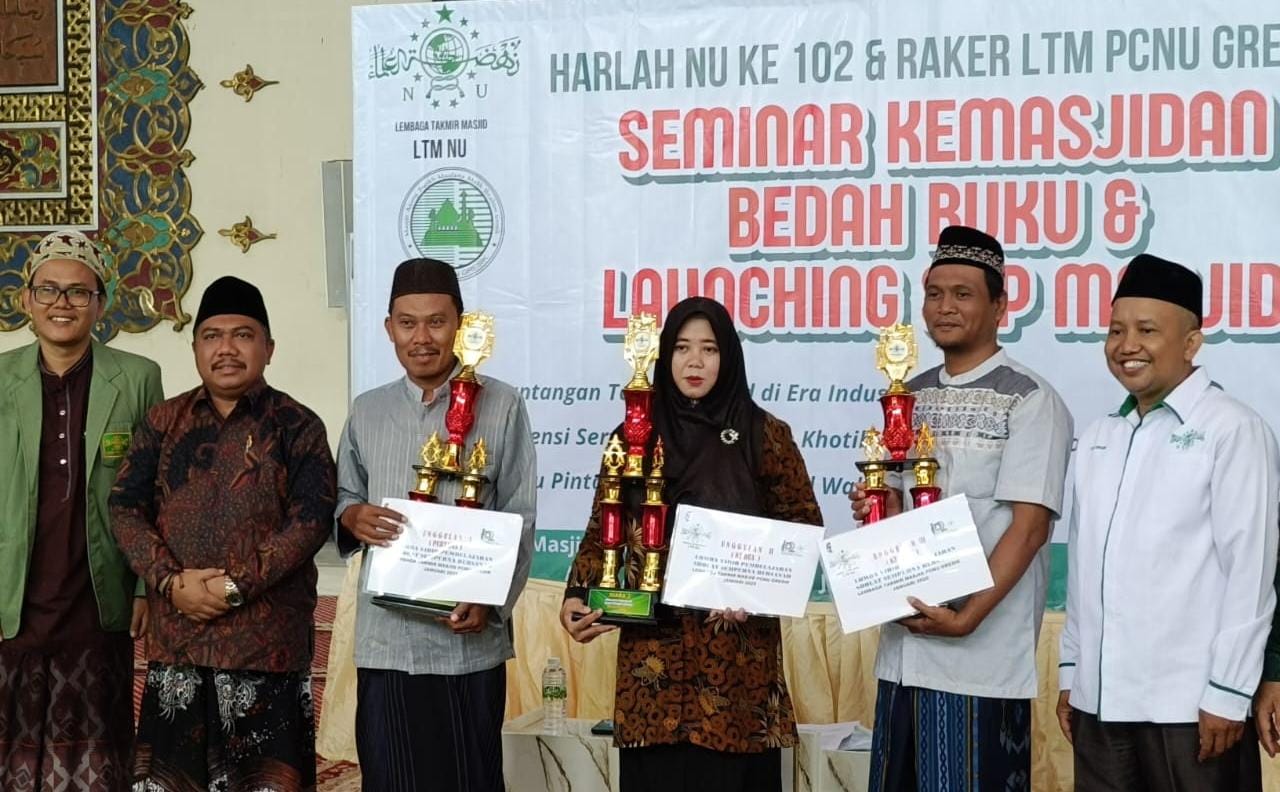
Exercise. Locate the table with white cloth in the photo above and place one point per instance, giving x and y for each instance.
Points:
(574, 761)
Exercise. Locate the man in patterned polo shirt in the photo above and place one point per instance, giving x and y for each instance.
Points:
(953, 710)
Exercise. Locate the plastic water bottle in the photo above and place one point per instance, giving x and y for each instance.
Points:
(554, 695)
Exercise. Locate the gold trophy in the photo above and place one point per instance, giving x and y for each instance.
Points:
(472, 345)
(640, 349)
(469, 499)
(428, 478)
(874, 470)
(620, 604)
(896, 356)
(427, 473)
(474, 477)
(653, 525)
(613, 534)
(926, 490)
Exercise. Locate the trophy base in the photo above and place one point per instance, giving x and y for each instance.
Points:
(623, 606)
(429, 607)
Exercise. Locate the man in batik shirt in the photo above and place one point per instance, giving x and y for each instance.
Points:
(221, 505)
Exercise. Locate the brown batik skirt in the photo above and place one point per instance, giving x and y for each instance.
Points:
(238, 731)
(66, 716)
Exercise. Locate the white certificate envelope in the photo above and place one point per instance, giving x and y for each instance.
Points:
(932, 553)
(723, 560)
(447, 553)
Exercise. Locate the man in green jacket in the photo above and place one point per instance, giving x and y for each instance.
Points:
(69, 605)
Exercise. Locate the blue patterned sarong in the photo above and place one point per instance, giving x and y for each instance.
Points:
(930, 741)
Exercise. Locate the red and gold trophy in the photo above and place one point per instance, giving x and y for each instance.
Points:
(613, 534)
(472, 345)
(639, 349)
(474, 478)
(874, 472)
(618, 603)
(926, 490)
(428, 472)
(896, 355)
(888, 450)
(653, 522)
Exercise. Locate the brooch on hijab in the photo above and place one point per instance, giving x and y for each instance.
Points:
(729, 436)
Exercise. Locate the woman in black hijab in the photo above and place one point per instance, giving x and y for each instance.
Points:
(701, 702)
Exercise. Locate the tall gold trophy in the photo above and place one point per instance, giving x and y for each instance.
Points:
(472, 345)
(619, 603)
(889, 449)
(440, 459)
(640, 349)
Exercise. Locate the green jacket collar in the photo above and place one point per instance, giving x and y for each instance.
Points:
(25, 387)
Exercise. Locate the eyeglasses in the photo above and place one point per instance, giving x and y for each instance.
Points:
(77, 297)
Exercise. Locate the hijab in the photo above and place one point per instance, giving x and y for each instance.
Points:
(713, 444)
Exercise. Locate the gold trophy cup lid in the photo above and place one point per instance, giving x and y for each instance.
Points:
(896, 354)
(640, 348)
(474, 342)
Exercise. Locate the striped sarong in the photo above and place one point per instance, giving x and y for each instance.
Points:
(931, 741)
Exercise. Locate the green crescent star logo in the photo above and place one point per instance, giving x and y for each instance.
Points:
(1186, 440)
(451, 56)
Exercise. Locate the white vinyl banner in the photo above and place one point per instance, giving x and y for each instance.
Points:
(581, 160)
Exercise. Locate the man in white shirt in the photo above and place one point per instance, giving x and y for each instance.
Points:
(953, 707)
(1172, 555)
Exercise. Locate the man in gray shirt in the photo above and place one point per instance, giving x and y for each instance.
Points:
(431, 689)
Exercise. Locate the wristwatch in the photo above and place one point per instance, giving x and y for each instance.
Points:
(232, 593)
